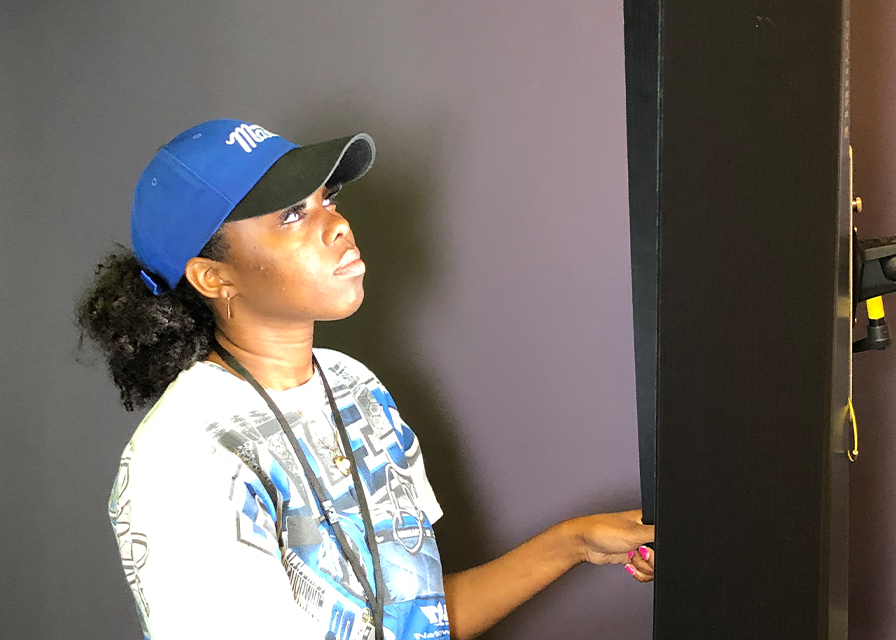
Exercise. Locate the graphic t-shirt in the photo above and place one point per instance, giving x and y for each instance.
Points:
(221, 536)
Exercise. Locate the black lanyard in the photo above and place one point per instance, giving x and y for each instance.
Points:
(375, 600)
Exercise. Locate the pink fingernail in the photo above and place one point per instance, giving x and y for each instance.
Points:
(630, 569)
(645, 552)
(631, 554)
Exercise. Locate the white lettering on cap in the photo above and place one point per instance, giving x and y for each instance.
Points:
(249, 135)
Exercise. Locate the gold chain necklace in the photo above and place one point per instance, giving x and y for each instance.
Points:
(340, 461)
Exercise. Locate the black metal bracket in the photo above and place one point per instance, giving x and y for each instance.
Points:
(875, 275)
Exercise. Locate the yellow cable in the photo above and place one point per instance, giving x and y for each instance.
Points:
(854, 452)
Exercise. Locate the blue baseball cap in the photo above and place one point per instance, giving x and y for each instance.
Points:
(225, 170)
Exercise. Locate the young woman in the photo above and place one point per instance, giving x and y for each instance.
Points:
(273, 489)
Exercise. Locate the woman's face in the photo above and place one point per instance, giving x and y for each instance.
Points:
(295, 265)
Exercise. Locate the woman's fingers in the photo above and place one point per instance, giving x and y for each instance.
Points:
(640, 564)
(643, 559)
(638, 575)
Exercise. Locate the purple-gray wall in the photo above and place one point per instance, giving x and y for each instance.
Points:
(494, 224)
(496, 232)
(872, 582)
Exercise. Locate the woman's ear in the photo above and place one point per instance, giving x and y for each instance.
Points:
(209, 278)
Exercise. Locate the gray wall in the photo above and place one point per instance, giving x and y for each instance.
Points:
(494, 226)
(872, 615)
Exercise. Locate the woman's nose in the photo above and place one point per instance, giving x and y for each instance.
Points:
(337, 227)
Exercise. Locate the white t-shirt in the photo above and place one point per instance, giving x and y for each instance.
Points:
(221, 536)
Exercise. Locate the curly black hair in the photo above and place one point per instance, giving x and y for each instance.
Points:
(147, 339)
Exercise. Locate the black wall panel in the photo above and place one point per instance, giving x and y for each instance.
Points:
(747, 355)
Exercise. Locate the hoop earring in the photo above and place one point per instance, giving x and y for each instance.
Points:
(229, 314)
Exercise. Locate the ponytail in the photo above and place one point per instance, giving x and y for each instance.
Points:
(147, 339)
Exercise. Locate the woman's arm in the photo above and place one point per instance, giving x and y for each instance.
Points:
(197, 536)
(480, 597)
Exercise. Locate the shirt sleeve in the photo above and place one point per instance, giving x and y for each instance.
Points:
(198, 542)
(425, 495)
(426, 498)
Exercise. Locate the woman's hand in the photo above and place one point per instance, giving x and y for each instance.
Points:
(477, 598)
(616, 538)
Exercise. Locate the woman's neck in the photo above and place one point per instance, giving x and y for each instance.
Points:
(277, 359)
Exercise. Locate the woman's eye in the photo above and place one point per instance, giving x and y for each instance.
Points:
(293, 214)
(330, 198)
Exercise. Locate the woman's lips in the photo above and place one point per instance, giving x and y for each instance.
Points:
(351, 264)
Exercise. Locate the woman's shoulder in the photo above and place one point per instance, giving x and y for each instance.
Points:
(180, 418)
(196, 391)
(342, 364)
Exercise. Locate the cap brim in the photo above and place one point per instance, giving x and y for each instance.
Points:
(302, 171)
